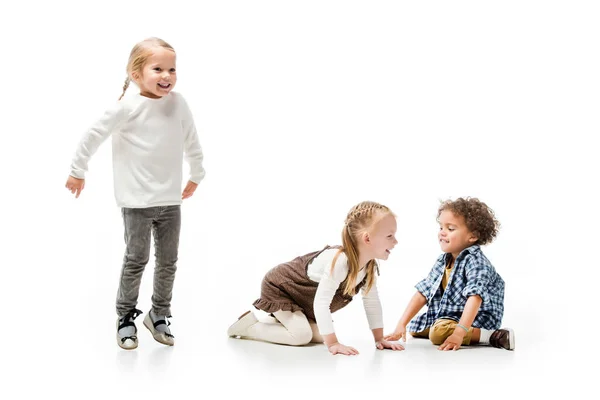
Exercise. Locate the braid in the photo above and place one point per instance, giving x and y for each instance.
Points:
(125, 86)
(363, 211)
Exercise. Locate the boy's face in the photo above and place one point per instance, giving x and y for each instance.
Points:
(454, 236)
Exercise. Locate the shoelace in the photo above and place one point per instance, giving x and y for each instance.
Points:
(130, 316)
(123, 339)
(127, 320)
(164, 322)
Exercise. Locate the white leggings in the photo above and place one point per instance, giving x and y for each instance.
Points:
(292, 328)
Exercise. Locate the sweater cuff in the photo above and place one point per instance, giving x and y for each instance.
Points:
(77, 174)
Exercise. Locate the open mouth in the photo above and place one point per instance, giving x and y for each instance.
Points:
(388, 251)
(164, 85)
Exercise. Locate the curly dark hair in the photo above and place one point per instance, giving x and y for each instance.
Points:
(479, 218)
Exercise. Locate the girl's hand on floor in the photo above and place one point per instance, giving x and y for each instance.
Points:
(339, 348)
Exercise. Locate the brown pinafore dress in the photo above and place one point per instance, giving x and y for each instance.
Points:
(287, 287)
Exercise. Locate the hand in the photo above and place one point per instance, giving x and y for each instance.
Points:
(75, 185)
(338, 348)
(400, 332)
(384, 344)
(453, 341)
(189, 190)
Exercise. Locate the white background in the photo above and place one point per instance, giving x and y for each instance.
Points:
(304, 108)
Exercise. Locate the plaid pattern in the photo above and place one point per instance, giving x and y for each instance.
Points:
(473, 274)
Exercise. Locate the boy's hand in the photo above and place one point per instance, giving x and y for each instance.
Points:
(189, 190)
(75, 185)
(453, 341)
(384, 344)
(339, 348)
(399, 333)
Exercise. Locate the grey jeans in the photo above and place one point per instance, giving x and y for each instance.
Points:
(164, 222)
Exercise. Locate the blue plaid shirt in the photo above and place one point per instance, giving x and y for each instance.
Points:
(472, 274)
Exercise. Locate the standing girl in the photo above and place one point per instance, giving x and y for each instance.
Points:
(151, 132)
(302, 294)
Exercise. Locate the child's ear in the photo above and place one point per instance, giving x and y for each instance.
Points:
(366, 238)
(135, 76)
(473, 239)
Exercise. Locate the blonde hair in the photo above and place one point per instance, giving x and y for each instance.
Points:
(361, 218)
(139, 56)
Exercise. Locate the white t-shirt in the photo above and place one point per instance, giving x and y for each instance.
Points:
(319, 270)
(149, 140)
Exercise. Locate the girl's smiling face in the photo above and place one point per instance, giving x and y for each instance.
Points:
(382, 238)
(158, 76)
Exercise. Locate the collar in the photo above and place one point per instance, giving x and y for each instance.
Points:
(469, 250)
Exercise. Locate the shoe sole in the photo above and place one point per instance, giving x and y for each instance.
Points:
(155, 334)
(511, 339)
(236, 322)
(121, 343)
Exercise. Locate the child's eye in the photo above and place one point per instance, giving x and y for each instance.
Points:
(157, 69)
(172, 69)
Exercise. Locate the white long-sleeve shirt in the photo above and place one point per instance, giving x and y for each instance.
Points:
(149, 140)
(319, 270)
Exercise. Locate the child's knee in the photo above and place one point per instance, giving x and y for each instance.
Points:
(423, 334)
(303, 336)
(441, 330)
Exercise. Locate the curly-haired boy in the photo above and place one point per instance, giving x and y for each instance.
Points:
(463, 292)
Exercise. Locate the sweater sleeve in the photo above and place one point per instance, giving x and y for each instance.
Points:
(93, 138)
(328, 285)
(192, 149)
(372, 306)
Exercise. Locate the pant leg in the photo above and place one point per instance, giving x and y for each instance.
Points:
(165, 228)
(293, 329)
(423, 335)
(443, 328)
(137, 226)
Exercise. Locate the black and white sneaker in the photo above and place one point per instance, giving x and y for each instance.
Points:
(127, 331)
